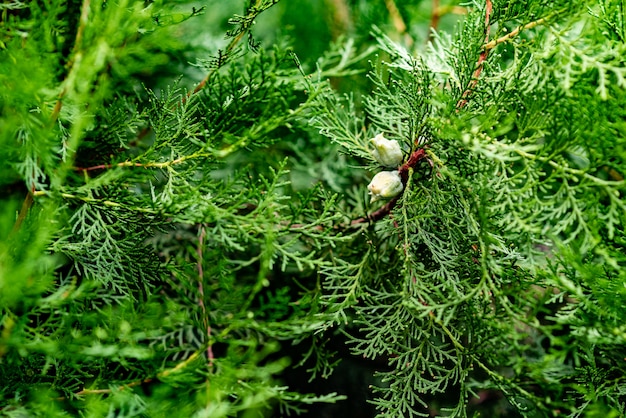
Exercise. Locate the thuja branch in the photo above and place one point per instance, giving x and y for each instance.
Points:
(105, 391)
(489, 45)
(501, 381)
(221, 62)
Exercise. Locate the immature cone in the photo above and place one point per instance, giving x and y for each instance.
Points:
(385, 185)
(386, 151)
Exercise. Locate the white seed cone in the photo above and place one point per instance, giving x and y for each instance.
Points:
(385, 185)
(386, 151)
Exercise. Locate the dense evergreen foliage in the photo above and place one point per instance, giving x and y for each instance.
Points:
(187, 229)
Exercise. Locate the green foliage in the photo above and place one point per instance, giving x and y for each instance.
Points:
(135, 266)
(169, 232)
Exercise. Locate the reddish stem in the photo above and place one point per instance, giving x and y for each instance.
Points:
(415, 158)
(481, 59)
(378, 214)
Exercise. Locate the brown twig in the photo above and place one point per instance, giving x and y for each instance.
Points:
(415, 158)
(108, 166)
(57, 107)
(378, 214)
(481, 59)
(439, 11)
(232, 44)
(489, 45)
